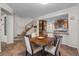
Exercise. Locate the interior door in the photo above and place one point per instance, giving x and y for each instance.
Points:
(3, 29)
(0, 30)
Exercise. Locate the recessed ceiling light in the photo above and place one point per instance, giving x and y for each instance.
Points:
(43, 3)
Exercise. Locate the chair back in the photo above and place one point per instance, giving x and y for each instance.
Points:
(28, 45)
(50, 34)
(59, 40)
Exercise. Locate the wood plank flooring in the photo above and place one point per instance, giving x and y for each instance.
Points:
(68, 51)
(18, 49)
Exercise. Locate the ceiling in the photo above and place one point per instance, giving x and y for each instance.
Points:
(32, 10)
(65, 17)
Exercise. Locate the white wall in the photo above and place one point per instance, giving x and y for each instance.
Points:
(19, 25)
(78, 27)
(78, 35)
(73, 15)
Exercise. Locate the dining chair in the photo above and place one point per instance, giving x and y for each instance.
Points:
(50, 34)
(54, 50)
(30, 48)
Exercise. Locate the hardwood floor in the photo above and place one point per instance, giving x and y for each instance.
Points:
(18, 49)
(68, 51)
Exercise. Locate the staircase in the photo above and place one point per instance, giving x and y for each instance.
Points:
(27, 28)
(8, 49)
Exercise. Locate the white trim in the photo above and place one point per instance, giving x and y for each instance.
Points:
(0, 50)
(78, 50)
(6, 7)
(57, 13)
(10, 42)
(0, 28)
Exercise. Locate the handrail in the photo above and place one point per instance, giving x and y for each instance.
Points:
(27, 28)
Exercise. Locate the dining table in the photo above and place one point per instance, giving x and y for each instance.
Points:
(42, 41)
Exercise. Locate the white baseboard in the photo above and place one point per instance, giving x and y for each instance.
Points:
(78, 50)
(4, 39)
(69, 45)
(19, 38)
(10, 42)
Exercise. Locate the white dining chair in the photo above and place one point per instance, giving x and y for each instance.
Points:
(30, 48)
(54, 50)
(50, 34)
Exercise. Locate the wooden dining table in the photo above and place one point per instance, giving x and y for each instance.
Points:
(42, 41)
